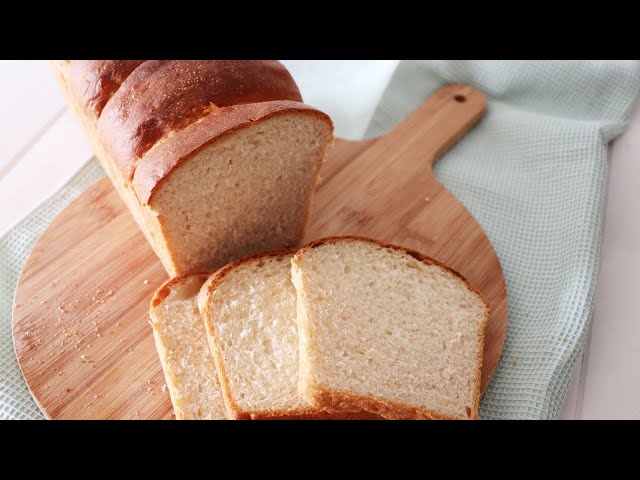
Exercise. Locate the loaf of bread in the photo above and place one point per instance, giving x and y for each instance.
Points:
(387, 330)
(215, 159)
(183, 350)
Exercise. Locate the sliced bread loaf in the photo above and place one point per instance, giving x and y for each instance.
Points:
(388, 330)
(181, 341)
(249, 308)
(216, 159)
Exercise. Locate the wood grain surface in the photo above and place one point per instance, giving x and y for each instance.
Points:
(80, 321)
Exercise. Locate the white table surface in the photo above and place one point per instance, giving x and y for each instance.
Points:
(42, 147)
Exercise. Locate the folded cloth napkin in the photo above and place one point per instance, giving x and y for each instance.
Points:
(533, 173)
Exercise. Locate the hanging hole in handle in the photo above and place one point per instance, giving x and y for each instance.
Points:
(460, 98)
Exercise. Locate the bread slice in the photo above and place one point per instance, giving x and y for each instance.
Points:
(249, 309)
(388, 330)
(182, 346)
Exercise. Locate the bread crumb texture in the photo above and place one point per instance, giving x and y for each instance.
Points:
(252, 315)
(243, 194)
(377, 323)
(182, 346)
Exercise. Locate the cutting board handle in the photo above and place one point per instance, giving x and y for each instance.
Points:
(437, 123)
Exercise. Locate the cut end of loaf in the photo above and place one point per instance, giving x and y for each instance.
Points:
(388, 330)
(248, 191)
(182, 287)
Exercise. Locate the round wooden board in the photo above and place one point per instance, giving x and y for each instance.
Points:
(80, 319)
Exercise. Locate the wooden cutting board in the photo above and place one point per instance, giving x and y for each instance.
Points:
(80, 318)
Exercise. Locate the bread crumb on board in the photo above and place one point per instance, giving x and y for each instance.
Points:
(85, 359)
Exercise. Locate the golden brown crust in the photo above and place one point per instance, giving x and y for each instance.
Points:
(327, 398)
(157, 165)
(313, 413)
(164, 96)
(150, 224)
(94, 82)
(166, 288)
